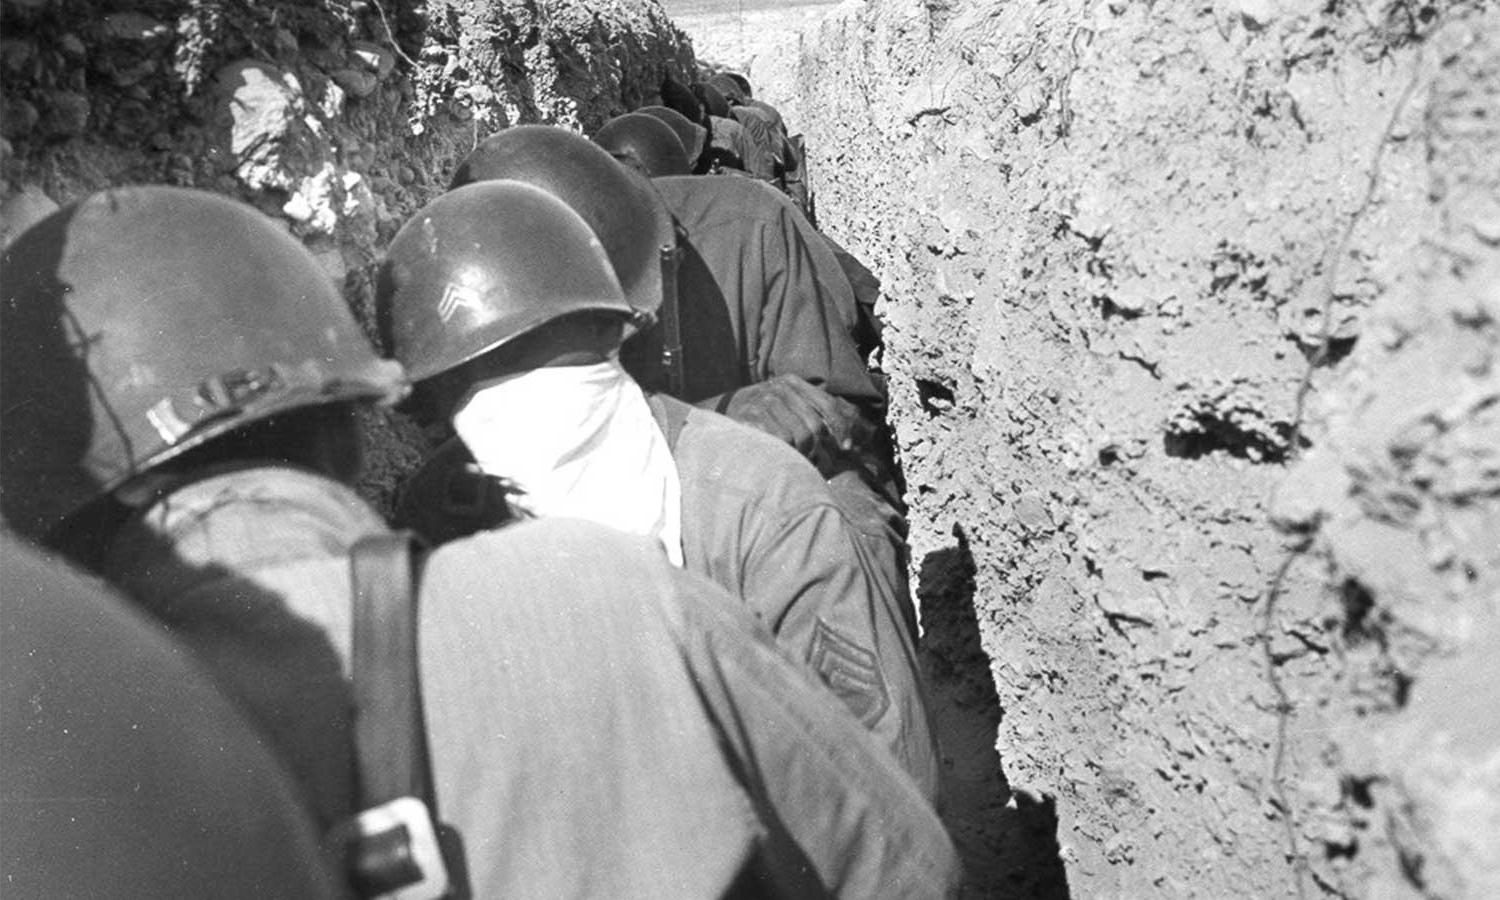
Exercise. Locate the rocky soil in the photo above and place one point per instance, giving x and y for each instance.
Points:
(1193, 328)
(735, 34)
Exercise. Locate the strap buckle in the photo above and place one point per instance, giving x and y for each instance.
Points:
(392, 852)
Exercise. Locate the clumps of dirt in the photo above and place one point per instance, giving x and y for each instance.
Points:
(1147, 267)
(1402, 493)
(1228, 416)
(340, 118)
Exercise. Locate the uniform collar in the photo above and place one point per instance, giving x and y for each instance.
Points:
(241, 519)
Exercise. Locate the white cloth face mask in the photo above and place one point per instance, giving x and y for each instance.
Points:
(577, 441)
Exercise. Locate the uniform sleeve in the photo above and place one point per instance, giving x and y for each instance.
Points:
(831, 273)
(807, 579)
(801, 329)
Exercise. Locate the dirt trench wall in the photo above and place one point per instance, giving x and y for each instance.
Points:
(1192, 327)
(339, 118)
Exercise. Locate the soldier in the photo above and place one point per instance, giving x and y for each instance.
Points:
(728, 133)
(126, 773)
(765, 342)
(765, 338)
(764, 129)
(790, 153)
(849, 285)
(645, 144)
(502, 306)
(179, 385)
(692, 136)
(727, 148)
(737, 87)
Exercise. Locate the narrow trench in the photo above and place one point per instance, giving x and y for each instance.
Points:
(1007, 838)
(1166, 517)
(1138, 543)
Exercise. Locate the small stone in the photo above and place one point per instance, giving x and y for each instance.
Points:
(161, 141)
(17, 118)
(132, 26)
(298, 209)
(331, 105)
(355, 82)
(1256, 14)
(1487, 226)
(376, 58)
(261, 104)
(68, 114)
(1031, 513)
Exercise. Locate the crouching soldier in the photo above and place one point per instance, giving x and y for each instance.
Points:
(645, 143)
(178, 389)
(692, 137)
(799, 326)
(503, 306)
(750, 327)
(760, 337)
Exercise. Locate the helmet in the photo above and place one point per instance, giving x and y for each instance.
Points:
(620, 206)
(644, 142)
(712, 100)
(694, 137)
(482, 265)
(681, 99)
(746, 91)
(730, 87)
(140, 323)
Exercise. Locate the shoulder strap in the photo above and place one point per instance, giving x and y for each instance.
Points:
(671, 416)
(670, 258)
(388, 731)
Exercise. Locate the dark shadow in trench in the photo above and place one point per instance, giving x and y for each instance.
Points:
(1007, 839)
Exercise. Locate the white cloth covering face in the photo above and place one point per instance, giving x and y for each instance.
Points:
(577, 441)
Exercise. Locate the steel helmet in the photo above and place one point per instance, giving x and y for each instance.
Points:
(681, 99)
(744, 85)
(644, 143)
(482, 265)
(694, 137)
(620, 206)
(140, 323)
(712, 100)
(730, 87)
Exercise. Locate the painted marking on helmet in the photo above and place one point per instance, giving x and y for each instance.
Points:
(456, 297)
(163, 417)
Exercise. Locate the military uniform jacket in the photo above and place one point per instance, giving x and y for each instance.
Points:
(585, 702)
(731, 137)
(753, 300)
(763, 131)
(758, 520)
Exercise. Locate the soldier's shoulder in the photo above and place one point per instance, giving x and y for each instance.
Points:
(557, 547)
(707, 198)
(730, 456)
